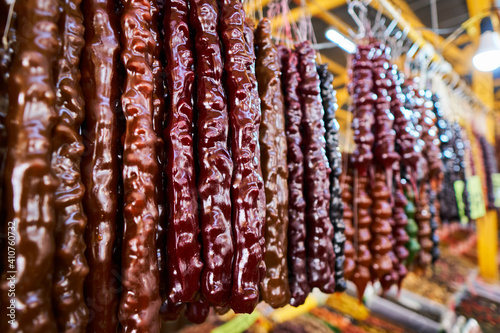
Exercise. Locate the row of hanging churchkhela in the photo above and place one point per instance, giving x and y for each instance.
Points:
(131, 196)
(135, 197)
(406, 160)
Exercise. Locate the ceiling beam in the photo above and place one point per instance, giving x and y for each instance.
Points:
(296, 13)
(254, 5)
(475, 7)
(452, 53)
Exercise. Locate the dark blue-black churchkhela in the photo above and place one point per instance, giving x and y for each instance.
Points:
(447, 194)
(335, 159)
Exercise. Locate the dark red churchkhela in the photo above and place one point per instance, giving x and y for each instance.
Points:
(274, 286)
(247, 183)
(299, 286)
(183, 247)
(363, 117)
(29, 182)
(100, 172)
(216, 166)
(248, 32)
(320, 255)
(70, 266)
(158, 120)
(140, 298)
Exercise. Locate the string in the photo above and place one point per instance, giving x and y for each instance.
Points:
(5, 37)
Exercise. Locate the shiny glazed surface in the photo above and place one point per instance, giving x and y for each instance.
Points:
(28, 179)
(70, 268)
(274, 286)
(320, 255)
(100, 161)
(183, 247)
(247, 182)
(140, 298)
(215, 163)
(299, 286)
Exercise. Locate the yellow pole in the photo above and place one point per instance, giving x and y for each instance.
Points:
(487, 226)
(487, 245)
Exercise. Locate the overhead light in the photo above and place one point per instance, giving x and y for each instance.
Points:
(487, 56)
(336, 37)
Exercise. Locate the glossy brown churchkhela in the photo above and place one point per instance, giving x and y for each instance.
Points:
(216, 165)
(183, 247)
(247, 182)
(274, 285)
(348, 215)
(100, 172)
(70, 265)
(140, 299)
(29, 182)
(299, 286)
(319, 241)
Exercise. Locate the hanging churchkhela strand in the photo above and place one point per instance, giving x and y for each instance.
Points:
(363, 120)
(247, 182)
(158, 121)
(385, 157)
(274, 287)
(299, 286)
(28, 179)
(183, 247)
(140, 298)
(100, 173)
(431, 181)
(347, 184)
(319, 237)
(399, 234)
(335, 160)
(248, 32)
(216, 165)
(70, 266)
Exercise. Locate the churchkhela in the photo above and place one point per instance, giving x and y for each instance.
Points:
(169, 158)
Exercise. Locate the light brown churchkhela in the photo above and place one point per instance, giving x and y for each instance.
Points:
(274, 286)
(28, 179)
(70, 266)
(140, 299)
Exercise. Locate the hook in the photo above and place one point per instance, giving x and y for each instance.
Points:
(358, 19)
(390, 29)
